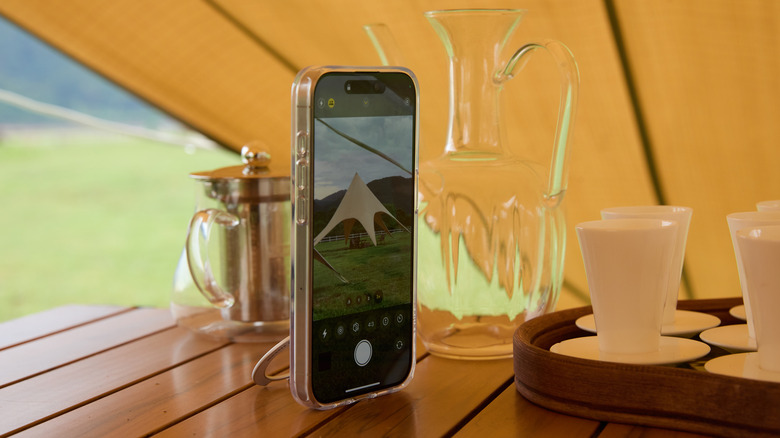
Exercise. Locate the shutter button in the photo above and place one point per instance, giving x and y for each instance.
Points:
(363, 352)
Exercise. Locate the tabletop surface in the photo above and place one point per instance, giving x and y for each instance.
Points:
(116, 371)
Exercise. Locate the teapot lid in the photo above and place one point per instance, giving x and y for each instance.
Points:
(257, 164)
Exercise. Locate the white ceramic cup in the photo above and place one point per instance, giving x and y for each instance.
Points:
(760, 251)
(768, 205)
(681, 215)
(627, 262)
(738, 221)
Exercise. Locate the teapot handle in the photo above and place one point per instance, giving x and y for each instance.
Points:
(570, 83)
(199, 233)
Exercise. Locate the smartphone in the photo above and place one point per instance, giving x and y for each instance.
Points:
(354, 238)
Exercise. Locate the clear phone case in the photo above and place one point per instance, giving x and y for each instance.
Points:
(301, 235)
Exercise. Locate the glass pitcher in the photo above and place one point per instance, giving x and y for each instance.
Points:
(491, 228)
(233, 277)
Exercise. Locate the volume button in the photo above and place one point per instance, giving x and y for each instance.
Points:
(300, 211)
(302, 177)
(302, 190)
(302, 144)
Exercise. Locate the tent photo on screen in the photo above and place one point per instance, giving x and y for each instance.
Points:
(359, 204)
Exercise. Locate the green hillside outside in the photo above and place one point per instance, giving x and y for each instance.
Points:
(89, 216)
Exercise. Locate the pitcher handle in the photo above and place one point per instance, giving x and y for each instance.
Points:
(199, 233)
(570, 83)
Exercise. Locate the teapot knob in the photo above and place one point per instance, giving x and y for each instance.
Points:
(255, 155)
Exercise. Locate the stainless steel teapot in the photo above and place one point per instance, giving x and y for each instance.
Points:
(232, 280)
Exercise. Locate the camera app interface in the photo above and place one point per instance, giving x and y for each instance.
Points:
(363, 214)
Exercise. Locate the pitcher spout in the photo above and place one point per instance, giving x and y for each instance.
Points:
(474, 41)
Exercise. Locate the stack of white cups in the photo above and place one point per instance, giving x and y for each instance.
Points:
(674, 322)
(737, 222)
(759, 249)
(679, 215)
(755, 236)
(633, 261)
(628, 263)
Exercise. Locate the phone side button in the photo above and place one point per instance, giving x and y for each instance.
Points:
(302, 143)
(363, 352)
(300, 211)
(302, 175)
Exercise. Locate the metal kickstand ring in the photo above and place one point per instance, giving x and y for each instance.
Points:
(259, 372)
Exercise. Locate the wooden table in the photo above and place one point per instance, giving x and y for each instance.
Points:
(114, 371)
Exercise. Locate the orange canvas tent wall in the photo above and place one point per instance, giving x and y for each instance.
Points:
(678, 105)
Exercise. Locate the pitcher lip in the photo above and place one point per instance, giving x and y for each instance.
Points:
(477, 10)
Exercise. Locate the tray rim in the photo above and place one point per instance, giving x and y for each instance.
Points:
(657, 396)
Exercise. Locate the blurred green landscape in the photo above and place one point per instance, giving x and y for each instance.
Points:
(88, 216)
(93, 218)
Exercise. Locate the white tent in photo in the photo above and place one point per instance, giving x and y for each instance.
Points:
(360, 204)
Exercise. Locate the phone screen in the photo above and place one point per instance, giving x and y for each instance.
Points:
(363, 167)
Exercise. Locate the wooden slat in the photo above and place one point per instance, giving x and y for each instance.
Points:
(51, 321)
(53, 351)
(512, 415)
(706, 76)
(615, 430)
(274, 413)
(179, 384)
(258, 411)
(443, 392)
(59, 390)
(163, 399)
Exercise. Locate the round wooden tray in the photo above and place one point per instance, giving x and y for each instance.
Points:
(683, 397)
